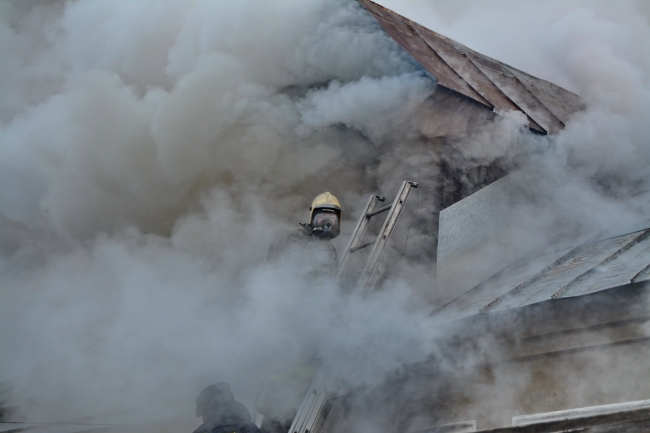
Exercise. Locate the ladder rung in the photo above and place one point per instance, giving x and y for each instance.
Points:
(360, 247)
(378, 211)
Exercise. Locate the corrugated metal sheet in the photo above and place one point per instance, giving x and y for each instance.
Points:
(492, 83)
(589, 268)
(561, 274)
(499, 284)
(621, 268)
(618, 256)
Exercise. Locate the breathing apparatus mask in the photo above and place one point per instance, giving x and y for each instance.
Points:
(325, 224)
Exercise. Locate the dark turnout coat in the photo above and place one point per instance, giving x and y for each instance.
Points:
(317, 256)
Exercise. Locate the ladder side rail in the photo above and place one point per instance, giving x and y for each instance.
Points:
(306, 407)
(358, 233)
(383, 236)
(316, 385)
(374, 279)
(313, 402)
(319, 411)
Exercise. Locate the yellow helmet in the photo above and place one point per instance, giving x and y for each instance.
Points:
(324, 201)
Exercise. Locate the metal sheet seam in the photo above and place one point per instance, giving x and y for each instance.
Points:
(484, 101)
(580, 278)
(533, 123)
(408, 25)
(642, 273)
(404, 44)
(534, 96)
(548, 106)
(543, 129)
(379, 17)
(475, 88)
(527, 283)
(478, 287)
(553, 90)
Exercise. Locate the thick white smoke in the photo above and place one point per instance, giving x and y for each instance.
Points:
(579, 182)
(591, 48)
(149, 151)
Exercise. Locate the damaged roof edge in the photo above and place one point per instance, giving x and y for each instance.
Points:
(494, 84)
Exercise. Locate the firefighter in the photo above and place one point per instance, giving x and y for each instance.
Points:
(312, 241)
(309, 248)
(221, 413)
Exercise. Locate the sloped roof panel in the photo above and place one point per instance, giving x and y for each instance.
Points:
(590, 268)
(472, 301)
(409, 40)
(561, 274)
(622, 269)
(492, 83)
(508, 83)
(559, 101)
(620, 256)
(464, 67)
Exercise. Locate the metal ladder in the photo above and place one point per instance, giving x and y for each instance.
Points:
(315, 407)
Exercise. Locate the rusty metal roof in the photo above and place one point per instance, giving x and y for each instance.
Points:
(487, 81)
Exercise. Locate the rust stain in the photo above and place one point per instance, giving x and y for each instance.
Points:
(490, 82)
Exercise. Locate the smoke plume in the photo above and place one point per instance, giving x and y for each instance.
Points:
(150, 150)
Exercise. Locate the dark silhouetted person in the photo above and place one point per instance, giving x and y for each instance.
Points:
(221, 412)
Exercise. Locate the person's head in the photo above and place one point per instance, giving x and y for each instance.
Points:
(325, 217)
(211, 398)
